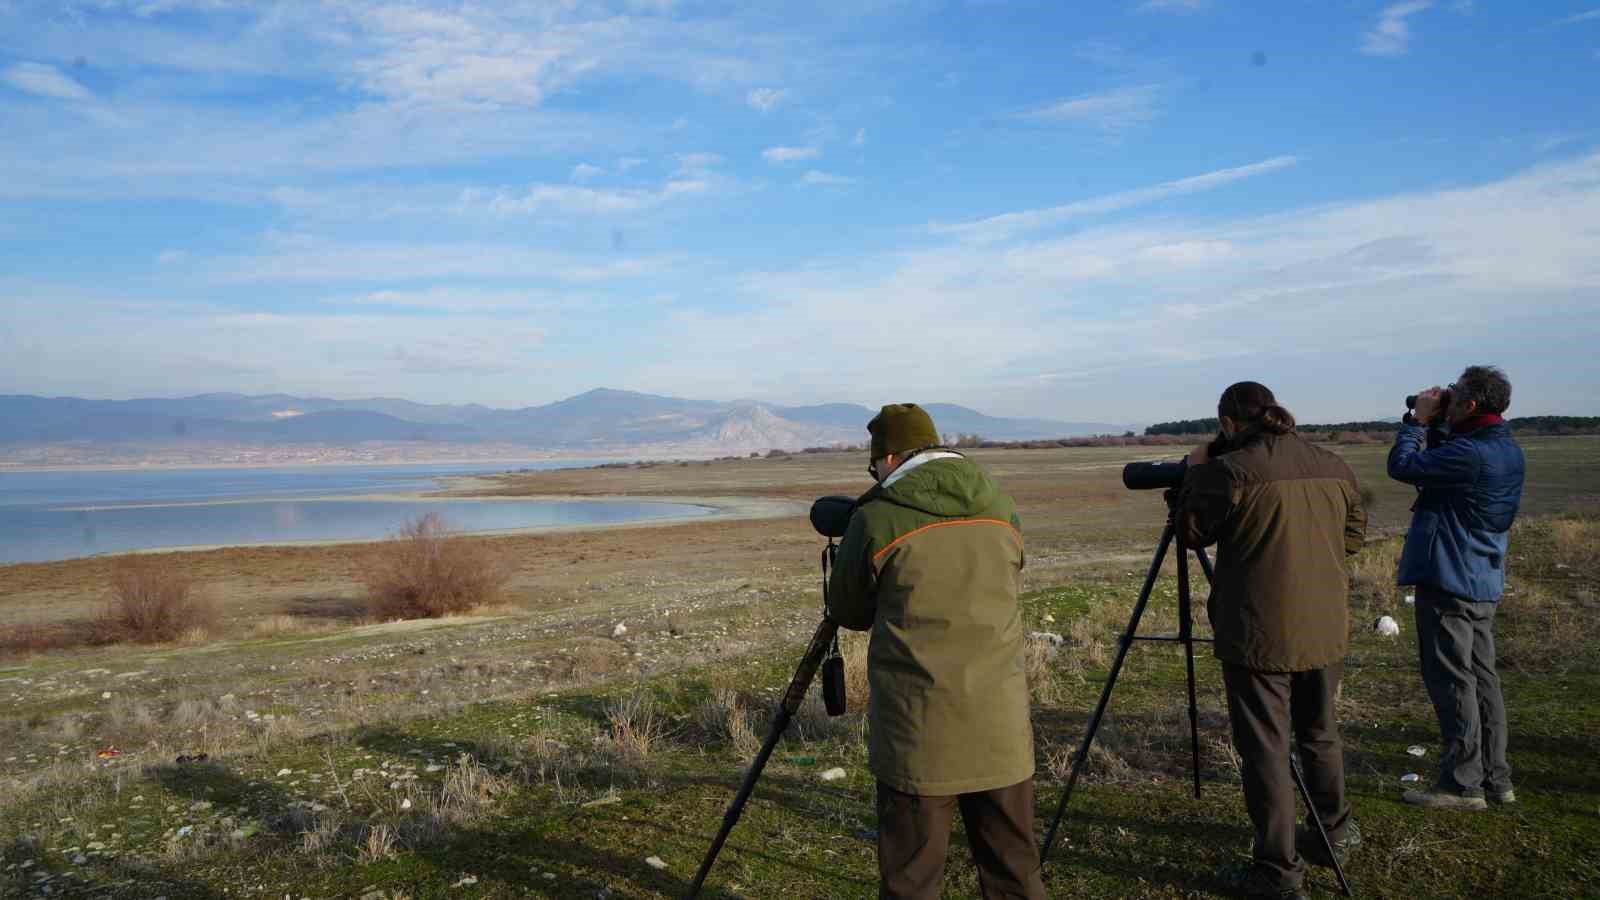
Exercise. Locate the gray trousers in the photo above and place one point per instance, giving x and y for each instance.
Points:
(1455, 640)
(1270, 713)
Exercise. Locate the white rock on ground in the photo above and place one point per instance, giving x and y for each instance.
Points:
(656, 862)
(833, 774)
(620, 630)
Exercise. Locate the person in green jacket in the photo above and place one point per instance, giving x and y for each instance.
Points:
(1284, 514)
(930, 564)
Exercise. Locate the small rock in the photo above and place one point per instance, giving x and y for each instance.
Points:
(105, 695)
(833, 774)
(79, 860)
(1411, 599)
(406, 803)
(1417, 750)
(185, 831)
(466, 880)
(283, 772)
(655, 862)
(548, 876)
(1386, 626)
(1410, 778)
(620, 630)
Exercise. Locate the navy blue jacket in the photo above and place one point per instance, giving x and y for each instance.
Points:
(1469, 490)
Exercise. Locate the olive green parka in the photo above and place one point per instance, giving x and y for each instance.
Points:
(931, 563)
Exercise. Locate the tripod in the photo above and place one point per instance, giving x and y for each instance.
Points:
(819, 648)
(1185, 636)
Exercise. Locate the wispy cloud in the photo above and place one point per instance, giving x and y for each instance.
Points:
(1007, 224)
(1391, 34)
(1177, 6)
(572, 199)
(815, 177)
(1113, 110)
(1589, 16)
(860, 139)
(44, 81)
(586, 171)
(780, 155)
(765, 99)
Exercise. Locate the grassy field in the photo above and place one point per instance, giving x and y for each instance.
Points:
(533, 749)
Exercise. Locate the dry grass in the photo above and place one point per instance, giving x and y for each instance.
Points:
(424, 572)
(152, 602)
(637, 724)
(724, 717)
(469, 791)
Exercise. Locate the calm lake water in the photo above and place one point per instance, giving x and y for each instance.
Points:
(65, 514)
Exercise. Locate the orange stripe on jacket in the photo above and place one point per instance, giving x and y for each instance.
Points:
(892, 544)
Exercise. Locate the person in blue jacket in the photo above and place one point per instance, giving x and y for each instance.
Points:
(1458, 452)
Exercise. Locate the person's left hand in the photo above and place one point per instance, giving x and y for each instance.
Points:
(1200, 455)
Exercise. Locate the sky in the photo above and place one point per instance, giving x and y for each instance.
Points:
(1098, 211)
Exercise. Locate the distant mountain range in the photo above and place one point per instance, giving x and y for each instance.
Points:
(597, 420)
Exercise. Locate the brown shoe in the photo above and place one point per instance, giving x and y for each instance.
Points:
(1438, 799)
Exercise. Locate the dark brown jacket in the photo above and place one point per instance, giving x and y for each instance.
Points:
(1284, 515)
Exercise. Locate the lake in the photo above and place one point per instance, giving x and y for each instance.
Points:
(62, 514)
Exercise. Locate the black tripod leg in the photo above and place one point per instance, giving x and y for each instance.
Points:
(820, 641)
(1311, 813)
(1186, 635)
(1082, 757)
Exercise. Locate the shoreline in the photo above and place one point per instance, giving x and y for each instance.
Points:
(36, 468)
(719, 509)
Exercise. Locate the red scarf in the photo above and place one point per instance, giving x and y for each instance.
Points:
(1476, 422)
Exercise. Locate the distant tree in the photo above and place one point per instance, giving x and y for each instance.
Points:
(1185, 426)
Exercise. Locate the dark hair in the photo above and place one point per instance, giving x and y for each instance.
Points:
(1252, 405)
(1486, 385)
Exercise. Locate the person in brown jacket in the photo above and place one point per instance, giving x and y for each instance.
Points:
(1284, 514)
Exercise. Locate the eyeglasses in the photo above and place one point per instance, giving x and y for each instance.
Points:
(872, 469)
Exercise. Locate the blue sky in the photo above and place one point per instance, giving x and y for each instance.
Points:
(1092, 211)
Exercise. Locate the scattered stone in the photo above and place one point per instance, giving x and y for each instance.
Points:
(603, 801)
(374, 895)
(548, 876)
(620, 630)
(79, 860)
(1386, 626)
(466, 880)
(833, 774)
(1417, 750)
(655, 862)
(1411, 599)
(284, 772)
(406, 803)
(435, 767)
(105, 695)
(1410, 778)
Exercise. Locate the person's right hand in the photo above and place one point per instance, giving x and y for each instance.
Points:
(1427, 405)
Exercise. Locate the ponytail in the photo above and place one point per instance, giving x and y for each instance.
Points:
(1251, 404)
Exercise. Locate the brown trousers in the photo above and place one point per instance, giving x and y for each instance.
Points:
(914, 833)
(1264, 707)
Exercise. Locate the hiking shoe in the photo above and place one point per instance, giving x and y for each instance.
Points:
(1309, 843)
(1439, 799)
(1258, 883)
(1501, 798)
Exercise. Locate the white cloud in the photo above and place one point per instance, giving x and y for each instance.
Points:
(815, 177)
(44, 81)
(567, 199)
(1177, 6)
(629, 163)
(1189, 305)
(1113, 110)
(780, 155)
(1007, 224)
(1588, 16)
(169, 257)
(585, 171)
(455, 299)
(1391, 34)
(860, 139)
(765, 99)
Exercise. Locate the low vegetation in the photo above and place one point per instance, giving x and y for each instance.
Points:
(425, 572)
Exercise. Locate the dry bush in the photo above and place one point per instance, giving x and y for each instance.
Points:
(637, 724)
(151, 601)
(424, 572)
(278, 624)
(379, 844)
(469, 791)
(857, 688)
(1038, 656)
(723, 717)
(42, 637)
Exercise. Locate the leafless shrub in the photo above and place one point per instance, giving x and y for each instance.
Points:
(425, 572)
(857, 686)
(1038, 656)
(151, 601)
(724, 717)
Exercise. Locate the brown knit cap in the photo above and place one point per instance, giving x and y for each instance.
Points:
(899, 427)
